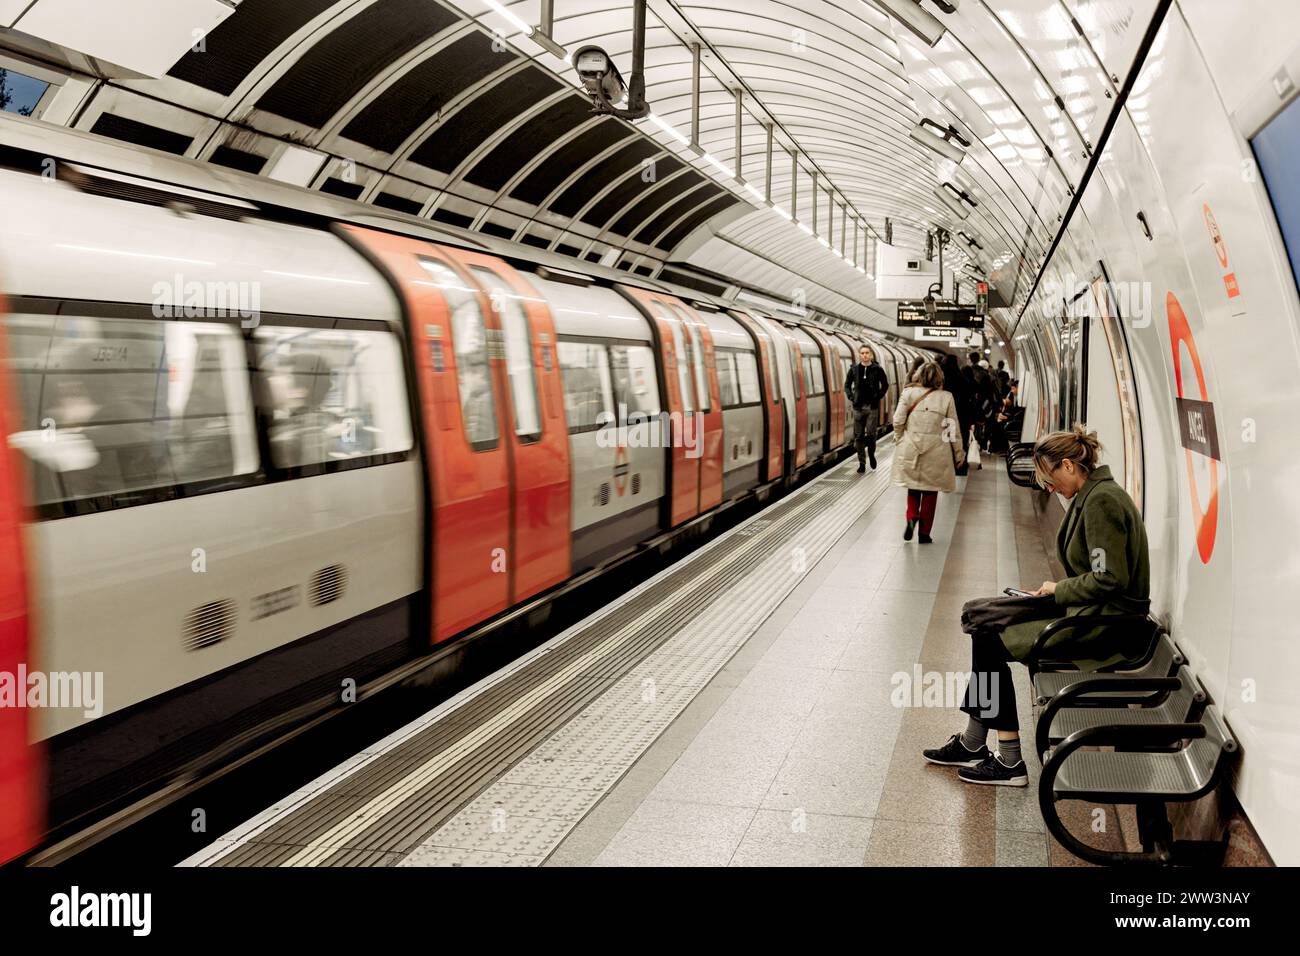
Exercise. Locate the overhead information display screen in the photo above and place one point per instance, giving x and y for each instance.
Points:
(912, 314)
(1276, 147)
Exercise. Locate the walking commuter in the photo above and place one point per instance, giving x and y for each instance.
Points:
(981, 387)
(866, 385)
(1102, 544)
(927, 447)
(915, 367)
(1002, 378)
(954, 382)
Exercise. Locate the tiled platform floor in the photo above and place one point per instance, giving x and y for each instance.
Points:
(799, 753)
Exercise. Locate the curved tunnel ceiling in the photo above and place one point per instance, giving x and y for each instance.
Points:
(453, 111)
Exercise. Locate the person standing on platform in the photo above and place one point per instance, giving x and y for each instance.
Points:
(865, 386)
(927, 449)
(954, 382)
(981, 390)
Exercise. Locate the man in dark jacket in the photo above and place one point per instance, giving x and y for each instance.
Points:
(980, 384)
(865, 386)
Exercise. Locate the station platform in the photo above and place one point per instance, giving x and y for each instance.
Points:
(761, 702)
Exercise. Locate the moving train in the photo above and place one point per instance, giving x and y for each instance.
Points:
(263, 443)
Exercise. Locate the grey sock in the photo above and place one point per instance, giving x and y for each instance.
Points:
(975, 735)
(1009, 752)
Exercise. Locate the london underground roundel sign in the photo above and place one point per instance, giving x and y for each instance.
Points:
(1197, 429)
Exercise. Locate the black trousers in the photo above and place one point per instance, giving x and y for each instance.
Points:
(990, 696)
(864, 432)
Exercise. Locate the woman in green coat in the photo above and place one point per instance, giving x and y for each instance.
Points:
(1102, 544)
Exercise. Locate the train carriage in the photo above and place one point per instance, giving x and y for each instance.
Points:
(297, 453)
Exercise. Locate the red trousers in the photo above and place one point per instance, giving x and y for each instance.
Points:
(921, 504)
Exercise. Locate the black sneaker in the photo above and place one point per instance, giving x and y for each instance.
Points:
(862, 469)
(907, 532)
(994, 771)
(924, 538)
(955, 754)
(873, 462)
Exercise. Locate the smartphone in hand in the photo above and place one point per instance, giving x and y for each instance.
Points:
(1016, 592)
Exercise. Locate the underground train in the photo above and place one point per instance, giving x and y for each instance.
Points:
(263, 443)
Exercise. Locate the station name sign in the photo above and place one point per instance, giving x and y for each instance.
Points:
(913, 314)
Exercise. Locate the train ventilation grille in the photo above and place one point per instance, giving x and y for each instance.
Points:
(604, 493)
(209, 624)
(328, 584)
(636, 483)
(102, 182)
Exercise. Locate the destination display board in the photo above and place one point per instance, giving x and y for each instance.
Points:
(912, 314)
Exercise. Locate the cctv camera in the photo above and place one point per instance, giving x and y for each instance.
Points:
(600, 77)
(931, 307)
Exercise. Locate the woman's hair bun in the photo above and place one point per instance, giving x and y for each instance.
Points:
(1087, 438)
(1079, 445)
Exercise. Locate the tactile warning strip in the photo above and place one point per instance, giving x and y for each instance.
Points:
(492, 749)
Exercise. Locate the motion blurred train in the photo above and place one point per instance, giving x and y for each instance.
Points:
(263, 441)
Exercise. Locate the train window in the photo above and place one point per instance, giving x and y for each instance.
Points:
(682, 350)
(773, 371)
(636, 390)
(728, 388)
(795, 368)
(519, 353)
(469, 340)
(113, 406)
(588, 393)
(335, 394)
(697, 363)
(747, 377)
(812, 373)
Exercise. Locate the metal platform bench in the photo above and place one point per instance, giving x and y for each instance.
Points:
(1151, 765)
(1161, 659)
(1172, 700)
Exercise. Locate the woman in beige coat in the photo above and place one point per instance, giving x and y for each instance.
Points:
(928, 447)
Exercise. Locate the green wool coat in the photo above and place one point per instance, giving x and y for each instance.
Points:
(1102, 544)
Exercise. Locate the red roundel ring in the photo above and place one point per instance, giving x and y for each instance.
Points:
(1207, 520)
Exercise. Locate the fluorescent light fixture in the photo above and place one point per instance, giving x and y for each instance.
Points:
(955, 199)
(946, 141)
(922, 23)
(714, 162)
(957, 209)
(780, 211)
(749, 188)
(804, 226)
(515, 21)
(669, 128)
(551, 47)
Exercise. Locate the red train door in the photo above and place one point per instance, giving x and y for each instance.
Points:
(21, 816)
(466, 460)
(680, 396)
(773, 419)
(834, 390)
(800, 399)
(704, 366)
(527, 371)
